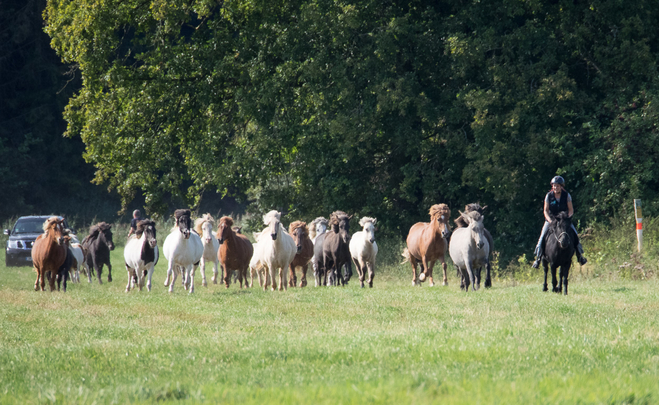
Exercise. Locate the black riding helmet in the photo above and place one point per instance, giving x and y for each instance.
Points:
(558, 180)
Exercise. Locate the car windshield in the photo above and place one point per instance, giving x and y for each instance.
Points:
(28, 226)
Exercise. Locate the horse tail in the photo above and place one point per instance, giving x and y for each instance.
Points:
(406, 255)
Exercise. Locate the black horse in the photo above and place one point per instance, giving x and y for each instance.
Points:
(336, 250)
(98, 245)
(559, 249)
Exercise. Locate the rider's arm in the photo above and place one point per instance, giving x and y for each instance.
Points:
(570, 209)
(546, 211)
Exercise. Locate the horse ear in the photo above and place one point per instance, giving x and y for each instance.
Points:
(350, 217)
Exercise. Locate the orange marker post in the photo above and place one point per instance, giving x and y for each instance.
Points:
(638, 213)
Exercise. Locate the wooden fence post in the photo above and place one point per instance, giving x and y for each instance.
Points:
(638, 213)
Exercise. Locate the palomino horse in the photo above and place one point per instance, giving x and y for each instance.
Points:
(235, 251)
(461, 223)
(363, 250)
(141, 255)
(274, 250)
(559, 249)
(183, 249)
(427, 243)
(98, 245)
(204, 227)
(336, 249)
(49, 252)
(300, 233)
(469, 249)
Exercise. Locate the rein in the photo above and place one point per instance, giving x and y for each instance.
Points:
(560, 235)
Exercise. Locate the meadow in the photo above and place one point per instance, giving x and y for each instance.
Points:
(391, 344)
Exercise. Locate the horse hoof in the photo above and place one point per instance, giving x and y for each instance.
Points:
(204, 284)
(214, 281)
(109, 279)
(422, 277)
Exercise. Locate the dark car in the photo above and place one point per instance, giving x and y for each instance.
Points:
(22, 237)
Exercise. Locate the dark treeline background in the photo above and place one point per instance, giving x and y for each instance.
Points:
(378, 108)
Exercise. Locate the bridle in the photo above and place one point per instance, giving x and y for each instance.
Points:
(560, 235)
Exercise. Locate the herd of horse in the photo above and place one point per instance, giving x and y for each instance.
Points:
(278, 253)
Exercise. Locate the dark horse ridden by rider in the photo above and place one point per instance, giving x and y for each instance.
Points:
(559, 249)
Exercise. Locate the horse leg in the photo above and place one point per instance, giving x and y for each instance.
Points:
(444, 269)
(227, 276)
(148, 280)
(431, 282)
(273, 273)
(202, 268)
(191, 277)
(292, 280)
(303, 280)
(51, 280)
(170, 270)
(282, 279)
(546, 267)
(554, 282)
(215, 272)
(371, 272)
(565, 272)
(360, 271)
(36, 282)
(413, 262)
(109, 271)
(98, 268)
(130, 278)
(470, 280)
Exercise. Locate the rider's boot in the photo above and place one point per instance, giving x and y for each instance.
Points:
(538, 259)
(582, 260)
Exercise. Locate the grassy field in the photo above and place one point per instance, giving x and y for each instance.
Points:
(390, 344)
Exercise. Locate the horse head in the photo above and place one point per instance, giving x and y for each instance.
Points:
(368, 226)
(344, 227)
(147, 228)
(560, 228)
(224, 230)
(272, 219)
(319, 226)
(441, 213)
(298, 230)
(204, 227)
(106, 231)
(475, 221)
(183, 222)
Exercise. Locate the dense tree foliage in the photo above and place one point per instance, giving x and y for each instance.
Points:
(374, 107)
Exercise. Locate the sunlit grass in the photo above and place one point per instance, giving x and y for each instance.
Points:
(390, 344)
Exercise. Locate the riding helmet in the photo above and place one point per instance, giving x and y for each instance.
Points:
(558, 180)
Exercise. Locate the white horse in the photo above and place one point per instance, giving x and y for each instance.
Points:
(363, 249)
(318, 227)
(79, 256)
(274, 249)
(204, 227)
(141, 255)
(469, 249)
(182, 248)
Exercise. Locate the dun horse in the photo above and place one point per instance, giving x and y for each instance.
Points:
(204, 227)
(427, 243)
(462, 223)
(298, 230)
(469, 249)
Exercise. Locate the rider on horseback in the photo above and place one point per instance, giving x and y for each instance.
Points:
(557, 200)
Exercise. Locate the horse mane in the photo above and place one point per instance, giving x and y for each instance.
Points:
(336, 218)
(438, 210)
(182, 212)
(474, 215)
(473, 207)
(49, 223)
(563, 215)
(274, 214)
(365, 220)
(200, 221)
(228, 221)
(296, 225)
(143, 224)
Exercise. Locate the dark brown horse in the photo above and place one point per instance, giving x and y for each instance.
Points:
(427, 243)
(49, 252)
(98, 245)
(235, 251)
(462, 223)
(300, 233)
(336, 249)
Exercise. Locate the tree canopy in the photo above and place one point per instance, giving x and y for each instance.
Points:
(381, 108)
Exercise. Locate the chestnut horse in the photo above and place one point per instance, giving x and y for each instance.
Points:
(428, 242)
(49, 252)
(235, 251)
(300, 233)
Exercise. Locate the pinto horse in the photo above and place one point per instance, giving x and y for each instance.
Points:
(469, 250)
(235, 251)
(363, 250)
(49, 252)
(98, 245)
(300, 233)
(427, 243)
(141, 255)
(274, 250)
(182, 249)
(204, 227)
(336, 249)
(559, 249)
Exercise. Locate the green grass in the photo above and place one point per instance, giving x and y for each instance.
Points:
(390, 344)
